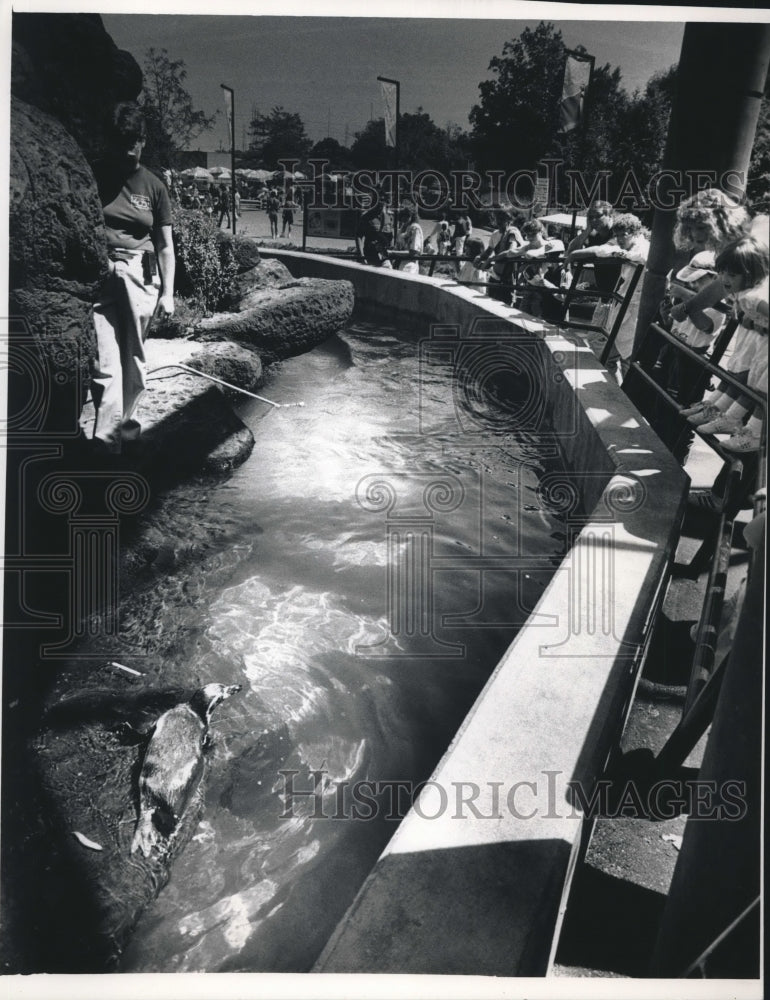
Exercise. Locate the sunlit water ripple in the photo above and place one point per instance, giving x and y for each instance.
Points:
(303, 619)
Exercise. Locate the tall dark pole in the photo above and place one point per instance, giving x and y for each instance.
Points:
(582, 145)
(231, 92)
(720, 83)
(397, 85)
(718, 873)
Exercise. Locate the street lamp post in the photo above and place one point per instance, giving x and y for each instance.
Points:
(397, 85)
(230, 107)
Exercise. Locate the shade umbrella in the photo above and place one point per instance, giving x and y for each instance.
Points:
(299, 176)
(328, 180)
(282, 175)
(222, 173)
(197, 174)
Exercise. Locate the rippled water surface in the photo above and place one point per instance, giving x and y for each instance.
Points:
(390, 540)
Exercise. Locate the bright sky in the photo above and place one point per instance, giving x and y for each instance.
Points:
(325, 68)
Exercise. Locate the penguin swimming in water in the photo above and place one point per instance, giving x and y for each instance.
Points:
(173, 764)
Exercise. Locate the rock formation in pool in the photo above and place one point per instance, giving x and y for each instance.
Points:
(279, 315)
(67, 781)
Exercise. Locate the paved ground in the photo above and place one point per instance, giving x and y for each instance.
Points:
(254, 222)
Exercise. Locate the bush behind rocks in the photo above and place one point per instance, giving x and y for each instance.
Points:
(206, 264)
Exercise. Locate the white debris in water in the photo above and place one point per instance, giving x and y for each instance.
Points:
(233, 915)
(86, 842)
(205, 834)
(238, 927)
(308, 852)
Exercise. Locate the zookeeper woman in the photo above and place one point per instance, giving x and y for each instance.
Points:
(137, 218)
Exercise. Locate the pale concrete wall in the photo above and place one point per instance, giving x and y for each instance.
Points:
(480, 889)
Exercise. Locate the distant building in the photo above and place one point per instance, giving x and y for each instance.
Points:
(202, 158)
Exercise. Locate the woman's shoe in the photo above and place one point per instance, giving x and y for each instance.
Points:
(743, 441)
(703, 416)
(690, 411)
(722, 425)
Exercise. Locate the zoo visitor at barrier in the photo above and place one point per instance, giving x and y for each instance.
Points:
(137, 218)
(743, 271)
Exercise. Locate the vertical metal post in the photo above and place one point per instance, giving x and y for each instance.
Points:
(396, 155)
(231, 92)
(583, 131)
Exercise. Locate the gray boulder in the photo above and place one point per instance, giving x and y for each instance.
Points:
(68, 66)
(57, 257)
(284, 321)
(233, 363)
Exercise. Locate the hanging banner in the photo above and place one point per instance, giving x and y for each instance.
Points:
(390, 100)
(228, 111)
(577, 76)
(542, 193)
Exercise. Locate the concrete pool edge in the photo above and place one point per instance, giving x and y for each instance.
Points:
(475, 880)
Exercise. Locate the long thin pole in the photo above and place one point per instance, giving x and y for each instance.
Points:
(583, 132)
(232, 149)
(397, 85)
(221, 381)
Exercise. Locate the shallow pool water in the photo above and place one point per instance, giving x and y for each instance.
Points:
(390, 542)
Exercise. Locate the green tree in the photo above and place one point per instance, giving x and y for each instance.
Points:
(172, 121)
(279, 136)
(514, 124)
(330, 149)
(639, 134)
(422, 145)
(758, 182)
(369, 151)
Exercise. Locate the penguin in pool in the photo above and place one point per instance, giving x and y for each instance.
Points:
(173, 764)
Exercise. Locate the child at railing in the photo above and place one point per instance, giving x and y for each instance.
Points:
(706, 223)
(743, 271)
(629, 243)
(470, 272)
(409, 238)
(443, 235)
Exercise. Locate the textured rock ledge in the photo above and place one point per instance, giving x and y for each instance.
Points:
(188, 422)
(278, 315)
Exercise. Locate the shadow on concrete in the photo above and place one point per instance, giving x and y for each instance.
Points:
(485, 909)
(610, 925)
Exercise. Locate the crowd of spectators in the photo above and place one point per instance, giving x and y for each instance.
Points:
(720, 272)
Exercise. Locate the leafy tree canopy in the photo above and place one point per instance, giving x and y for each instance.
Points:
(758, 186)
(330, 149)
(422, 145)
(172, 121)
(515, 125)
(515, 122)
(279, 135)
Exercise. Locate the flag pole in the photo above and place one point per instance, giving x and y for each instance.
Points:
(582, 110)
(396, 137)
(231, 108)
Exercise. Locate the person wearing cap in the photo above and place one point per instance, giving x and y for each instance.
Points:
(137, 220)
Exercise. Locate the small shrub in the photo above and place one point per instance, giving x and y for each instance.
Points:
(206, 266)
(187, 314)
